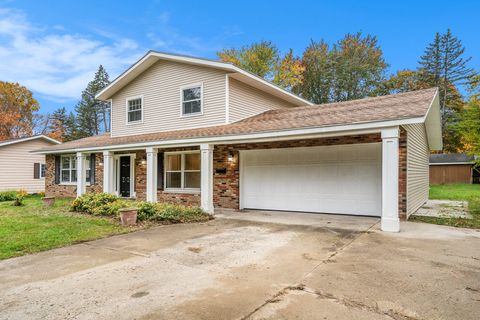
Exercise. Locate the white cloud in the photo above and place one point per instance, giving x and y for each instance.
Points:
(55, 64)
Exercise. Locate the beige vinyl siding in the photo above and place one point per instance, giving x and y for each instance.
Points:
(160, 87)
(16, 166)
(417, 167)
(246, 101)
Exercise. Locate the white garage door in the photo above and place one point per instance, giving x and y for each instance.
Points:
(342, 179)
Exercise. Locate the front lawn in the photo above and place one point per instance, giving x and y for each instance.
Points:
(32, 227)
(460, 192)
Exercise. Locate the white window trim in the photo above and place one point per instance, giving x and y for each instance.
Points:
(40, 170)
(182, 172)
(201, 100)
(129, 123)
(70, 183)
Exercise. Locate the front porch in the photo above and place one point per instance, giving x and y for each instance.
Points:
(210, 175)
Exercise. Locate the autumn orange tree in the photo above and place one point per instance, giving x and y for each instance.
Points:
(17, 106)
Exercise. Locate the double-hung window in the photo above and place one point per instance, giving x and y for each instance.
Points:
(68, 169)
(42, 170)
(192, 100)
(135, 110)
(182, 171)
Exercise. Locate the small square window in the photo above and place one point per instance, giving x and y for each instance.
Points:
(134, 109)
(192, 100)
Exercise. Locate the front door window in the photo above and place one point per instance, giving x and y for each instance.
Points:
(125, 177)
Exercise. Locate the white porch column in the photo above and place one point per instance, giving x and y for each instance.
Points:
(152, 174)
(108, 171)
(206, 173)
(81, 173)
(390, 153)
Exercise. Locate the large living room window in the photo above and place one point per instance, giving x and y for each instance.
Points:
(68, 169)
(135, 110)
(182, 171)
(192, 99)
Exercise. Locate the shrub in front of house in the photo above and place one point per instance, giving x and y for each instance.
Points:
(104, 204)
(8, 195)
(171, 213)
(96, 203)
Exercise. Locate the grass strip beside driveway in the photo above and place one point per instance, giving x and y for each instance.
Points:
(458, 192)
(33, 227)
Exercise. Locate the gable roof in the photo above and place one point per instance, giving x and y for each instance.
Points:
(19, 140)
(451, 158)
(152, 57)
(391, 110)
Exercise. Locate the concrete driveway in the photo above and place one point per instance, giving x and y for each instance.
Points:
(253, 265)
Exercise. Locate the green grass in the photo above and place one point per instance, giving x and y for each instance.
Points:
(460, 192)
(32, 227)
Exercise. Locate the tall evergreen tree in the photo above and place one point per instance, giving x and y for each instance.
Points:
(62, 125)
(443, 65)
(93, 116)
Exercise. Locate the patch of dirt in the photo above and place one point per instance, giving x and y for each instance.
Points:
(195, 249)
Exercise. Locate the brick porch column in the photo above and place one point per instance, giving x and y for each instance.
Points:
(390, 220)
(81, 173)
(152, 174)
(108, 171)
(206, 173)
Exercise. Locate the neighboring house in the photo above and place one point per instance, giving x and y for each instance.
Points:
(448, 168)
(19, 168)
(202, 132)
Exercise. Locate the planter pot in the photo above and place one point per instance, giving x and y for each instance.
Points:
(128, 216)
(48, 201)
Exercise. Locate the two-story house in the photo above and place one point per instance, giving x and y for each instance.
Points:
(207, 133)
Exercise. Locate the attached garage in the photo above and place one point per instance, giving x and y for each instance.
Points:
(341, 179)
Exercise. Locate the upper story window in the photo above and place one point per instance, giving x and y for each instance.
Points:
(192, 97)
(134, 109)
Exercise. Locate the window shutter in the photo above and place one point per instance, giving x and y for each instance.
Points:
(160, 171)
(92, 169)
(57, 169)
(36, 170)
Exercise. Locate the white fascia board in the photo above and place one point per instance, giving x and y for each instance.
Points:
(433, 124)
(359, 128)
(102, 95)
(29, 139)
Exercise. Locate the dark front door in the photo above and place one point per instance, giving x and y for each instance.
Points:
(125, 176)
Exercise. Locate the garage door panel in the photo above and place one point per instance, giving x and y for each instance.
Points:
(339, 179)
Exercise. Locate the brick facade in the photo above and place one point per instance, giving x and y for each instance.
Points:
(59, 190)
(226, 187)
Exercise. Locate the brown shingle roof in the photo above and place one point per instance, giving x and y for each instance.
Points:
(384, 108)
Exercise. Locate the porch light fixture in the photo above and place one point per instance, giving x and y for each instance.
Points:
(143, 162)
(230, 157)
(100, 164)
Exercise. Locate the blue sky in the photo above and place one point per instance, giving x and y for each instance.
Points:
(54, 47)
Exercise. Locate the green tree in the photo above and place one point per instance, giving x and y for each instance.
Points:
(93, 115)
(61, 125)
(469, 124)
(353, 68)
(359, 67)
(318, 74)
(264, 60)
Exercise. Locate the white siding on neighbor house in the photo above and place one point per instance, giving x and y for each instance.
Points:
(160, 87)
(246, 101)
(16, 166)
(417, 166)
